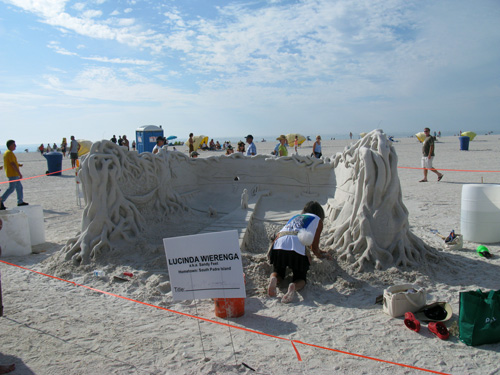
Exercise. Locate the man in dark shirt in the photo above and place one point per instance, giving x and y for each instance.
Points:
(428, 155)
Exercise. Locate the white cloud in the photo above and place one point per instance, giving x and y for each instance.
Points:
(60, 50)
(92, 14)
(118, 60)
(78, 6)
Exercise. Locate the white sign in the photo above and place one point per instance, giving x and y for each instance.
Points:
(205, 266)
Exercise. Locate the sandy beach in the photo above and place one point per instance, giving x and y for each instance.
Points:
(54, 327)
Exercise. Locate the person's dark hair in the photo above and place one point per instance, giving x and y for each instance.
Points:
(9, 142)
(315, 208)
(190, 134)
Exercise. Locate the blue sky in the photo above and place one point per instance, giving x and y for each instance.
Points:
(228, 68)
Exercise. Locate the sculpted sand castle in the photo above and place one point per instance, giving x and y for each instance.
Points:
(133, 199)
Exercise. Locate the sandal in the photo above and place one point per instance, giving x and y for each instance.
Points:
(440, 177)
(439, 329)
(423, 181)
(411, 322)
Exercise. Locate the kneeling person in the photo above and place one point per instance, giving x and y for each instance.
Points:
(289, 250)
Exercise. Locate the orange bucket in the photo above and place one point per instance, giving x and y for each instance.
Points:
(229, 307)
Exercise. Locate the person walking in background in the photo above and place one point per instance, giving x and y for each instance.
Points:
(428, 154)
(74, 147)
(160, 142)
(282, 150)
(251, 150)
(125, 142)
(64, 146)
(13, 174)
(296, 144)
(317, 147)
(191, 143)
(133, 145)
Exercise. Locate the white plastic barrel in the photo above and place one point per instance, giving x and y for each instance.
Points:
(35, 220)
(480, 214)
(15, 233)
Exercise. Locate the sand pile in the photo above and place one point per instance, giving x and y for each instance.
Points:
(58, 328)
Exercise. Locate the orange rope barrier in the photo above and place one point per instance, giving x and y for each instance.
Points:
(431, 169)
(293, 342)
(452, 170)
(41, 175)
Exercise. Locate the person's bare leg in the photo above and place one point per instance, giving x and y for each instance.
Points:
(7, 369)
(440, 175)
(425, 174)
(273, 282)
(292, 288)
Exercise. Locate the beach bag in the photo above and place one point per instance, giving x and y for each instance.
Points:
(455, 244)
(479, 317)
(399, 299)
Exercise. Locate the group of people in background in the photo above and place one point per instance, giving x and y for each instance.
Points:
(123, 141)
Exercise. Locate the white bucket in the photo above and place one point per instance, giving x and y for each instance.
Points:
(480, 215)
(35, 220)
(15, 233)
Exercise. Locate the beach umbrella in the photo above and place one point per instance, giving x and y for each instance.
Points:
(85, 146)
(171, 137)
(199, 140)
(469, 134)
(420, 136)
(291, 138)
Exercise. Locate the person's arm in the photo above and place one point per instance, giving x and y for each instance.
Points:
(315, 245)
(78, 149)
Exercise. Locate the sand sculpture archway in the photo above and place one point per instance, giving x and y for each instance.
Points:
(132, 199)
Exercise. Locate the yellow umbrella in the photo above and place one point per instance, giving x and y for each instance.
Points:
(84, 146)
(199, 140)
(291, 138)
(420, 136)
(362, 134)
(469, 134)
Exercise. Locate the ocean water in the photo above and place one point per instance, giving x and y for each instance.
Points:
(21, 147)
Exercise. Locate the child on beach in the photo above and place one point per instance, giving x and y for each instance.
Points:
(317, 147)
(289, 249)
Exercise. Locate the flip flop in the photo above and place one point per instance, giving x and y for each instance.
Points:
(423, 181)
(440, 177)
(439, 329)
(411, 322)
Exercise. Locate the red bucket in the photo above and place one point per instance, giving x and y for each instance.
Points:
(229, 307)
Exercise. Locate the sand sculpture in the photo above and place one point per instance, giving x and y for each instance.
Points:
(135, 199)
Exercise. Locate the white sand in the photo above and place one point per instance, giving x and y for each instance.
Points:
(53, 327)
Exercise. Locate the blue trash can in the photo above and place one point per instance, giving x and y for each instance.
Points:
(464, 143)
(54, 163)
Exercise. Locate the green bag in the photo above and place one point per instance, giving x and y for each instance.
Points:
(479, 317)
